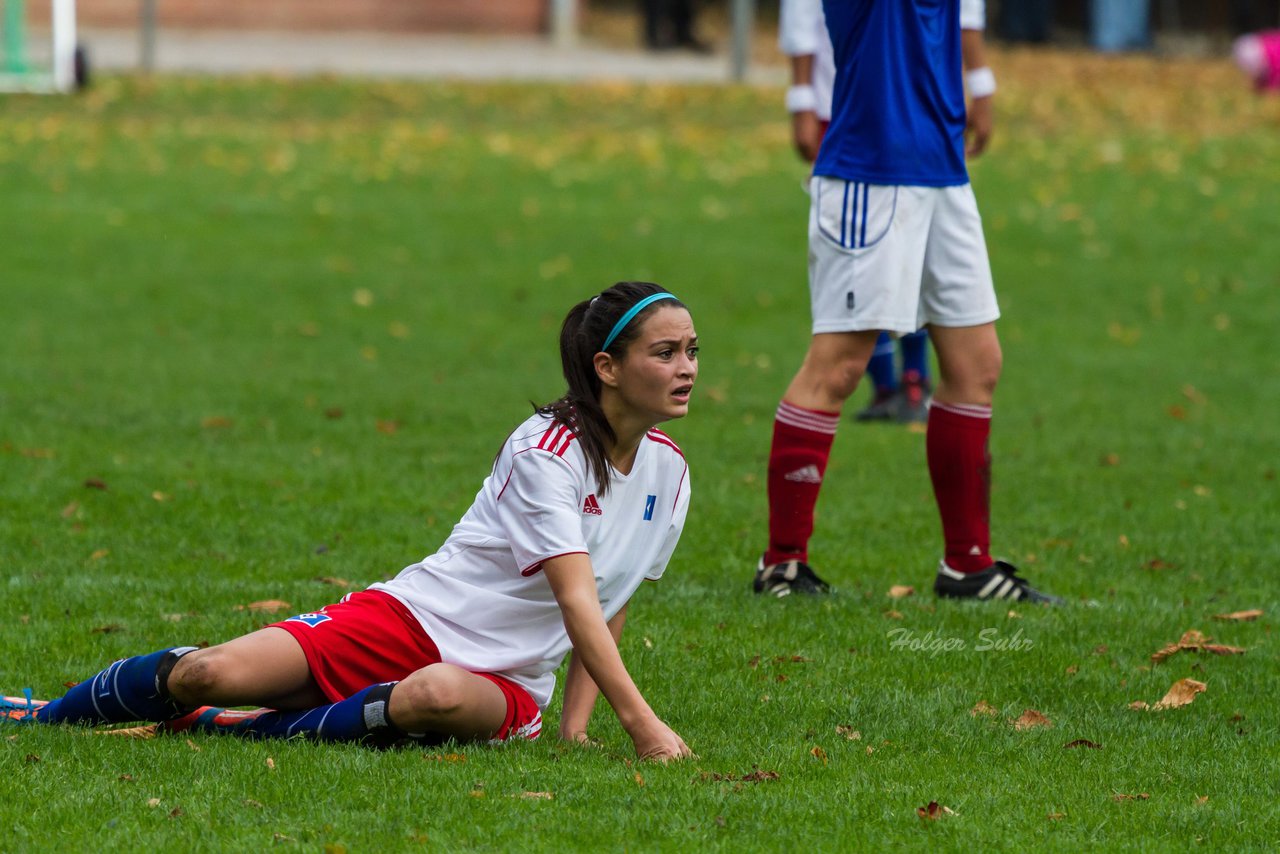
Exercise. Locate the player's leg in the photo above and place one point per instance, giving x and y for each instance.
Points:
(267, 667)
(259, 668)
(367, 656)
(436, 702)
(804, 430)
(447, 700)
(883, 372)
(917, 388)
(863, 277)
(958, 301)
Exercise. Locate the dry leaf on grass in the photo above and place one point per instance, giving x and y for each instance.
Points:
(1031, 719)
(444, 757)
(759, 776)
(893, 615)
(143, 731)
(819, 754)
(933, 811)
(336, 582)
(534, 796)
(1082, 742)
(900, 591)
(271, 764)
(1180, 694)
(848, 732)
(1240, 616)
(1194, 641)
(1141, 796)
(755, 776)
(983, 708)
(266, 606)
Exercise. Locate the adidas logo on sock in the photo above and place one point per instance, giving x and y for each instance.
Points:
(808, 474)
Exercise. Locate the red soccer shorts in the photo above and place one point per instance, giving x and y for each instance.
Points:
(371, 637)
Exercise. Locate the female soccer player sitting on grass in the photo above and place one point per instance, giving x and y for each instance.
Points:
(586, 500)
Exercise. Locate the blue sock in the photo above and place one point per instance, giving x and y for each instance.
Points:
(131, 689)
(880, 368)
(361, 715)
(915, 353)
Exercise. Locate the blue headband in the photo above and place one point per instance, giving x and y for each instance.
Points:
(630, 315)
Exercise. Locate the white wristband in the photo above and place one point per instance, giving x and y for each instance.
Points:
(981, 82)
(801, 99)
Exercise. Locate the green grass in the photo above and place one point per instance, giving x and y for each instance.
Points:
(286, 326)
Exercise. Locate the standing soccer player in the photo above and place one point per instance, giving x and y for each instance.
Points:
(896, 244)
(802, 36)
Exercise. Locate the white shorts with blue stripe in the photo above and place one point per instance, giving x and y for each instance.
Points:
(896, 258)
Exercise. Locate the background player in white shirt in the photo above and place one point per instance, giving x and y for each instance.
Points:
(802, 36)
(586, 500)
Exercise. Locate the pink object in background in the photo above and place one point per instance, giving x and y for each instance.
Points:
(1258, 55)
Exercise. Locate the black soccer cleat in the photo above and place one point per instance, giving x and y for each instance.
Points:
(998, 581)
(783, 579)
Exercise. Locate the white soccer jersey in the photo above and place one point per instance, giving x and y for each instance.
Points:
(483, 598)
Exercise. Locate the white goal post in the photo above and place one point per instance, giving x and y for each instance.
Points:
(27, 66)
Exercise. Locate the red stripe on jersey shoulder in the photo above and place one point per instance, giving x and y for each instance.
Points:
(550, 437)
(557, 439)
(663, 439)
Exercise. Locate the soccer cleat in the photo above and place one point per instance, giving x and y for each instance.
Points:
(211, 719)
(783, 579)
(20, 710)
(998, 581)
(913, 405)
(883, 407)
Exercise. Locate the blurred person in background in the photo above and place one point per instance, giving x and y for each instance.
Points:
(802, 35)
(1258, 56)
(670, 24)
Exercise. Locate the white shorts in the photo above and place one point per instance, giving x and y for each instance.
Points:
(896, 258)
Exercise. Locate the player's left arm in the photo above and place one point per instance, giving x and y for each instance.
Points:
(581, 691)
(980, 81)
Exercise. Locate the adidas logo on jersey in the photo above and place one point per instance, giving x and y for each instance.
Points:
(592, 506)
(808, 474)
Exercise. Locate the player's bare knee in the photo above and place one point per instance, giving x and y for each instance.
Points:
(197, 675)
(430, 694)
(843, 377)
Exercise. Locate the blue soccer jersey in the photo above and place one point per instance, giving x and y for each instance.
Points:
(898, 112)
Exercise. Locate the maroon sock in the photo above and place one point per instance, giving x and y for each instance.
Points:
(960, 467)
(797, 461)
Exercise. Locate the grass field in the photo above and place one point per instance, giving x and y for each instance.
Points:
(261, 339)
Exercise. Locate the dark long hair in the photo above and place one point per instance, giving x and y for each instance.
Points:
(581, 337)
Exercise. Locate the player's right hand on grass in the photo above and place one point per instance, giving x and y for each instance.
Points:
(658, 742)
